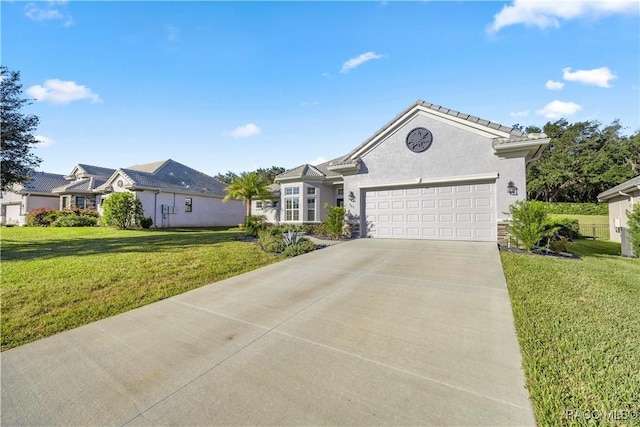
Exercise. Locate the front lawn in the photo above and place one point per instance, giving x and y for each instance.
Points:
(54, 279)
(578, 323)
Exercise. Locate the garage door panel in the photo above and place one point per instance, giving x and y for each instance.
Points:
(463, 212)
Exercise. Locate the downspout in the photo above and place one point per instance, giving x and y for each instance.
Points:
(155, 208)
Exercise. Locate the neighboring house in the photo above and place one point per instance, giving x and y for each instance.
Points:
(430, 173)
(34, 194)
(174, 195)
(620, 199)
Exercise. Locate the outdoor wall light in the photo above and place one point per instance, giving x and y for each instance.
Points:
(512, 189)
(352, 197)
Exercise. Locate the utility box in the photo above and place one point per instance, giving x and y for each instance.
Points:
(625, 239)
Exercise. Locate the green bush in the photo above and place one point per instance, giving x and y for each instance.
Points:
(122, 210)
(565, 227)
(334, 224)
(634, 228)
(38, 217)
(271, 240)
(303, 246)
(73, 220)
(253, 224)
(576, 208)
(529, 223)
(146, 223)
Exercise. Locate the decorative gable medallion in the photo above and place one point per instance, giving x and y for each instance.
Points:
(419, 140)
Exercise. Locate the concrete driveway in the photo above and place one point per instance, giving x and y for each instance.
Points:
(368, 332)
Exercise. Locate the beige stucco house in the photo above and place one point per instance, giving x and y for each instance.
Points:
(430, 173)
(36, 193)
(620, 199)
(172, 194)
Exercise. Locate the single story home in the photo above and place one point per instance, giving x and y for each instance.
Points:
(172, 194)
(36, 193)
(620, 200)
(430, 173)
(175, 195)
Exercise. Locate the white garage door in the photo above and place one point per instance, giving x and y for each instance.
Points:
(457, 212)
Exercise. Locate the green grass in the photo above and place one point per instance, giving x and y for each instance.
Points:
(54, 279)
(578, 324)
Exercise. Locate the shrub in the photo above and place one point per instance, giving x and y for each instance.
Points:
(303, 246)
(122, 210)
(253, 224)
(291, 238)
(38, 217)
(529, 223)
(270, 240)
(565, 227)
(146, 223)
(334, 224)
(634, 228)
(73, 220)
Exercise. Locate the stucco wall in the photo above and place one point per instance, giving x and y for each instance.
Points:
(454, 152)
(618, 207)
(206, 211)
(15, 214)
(270, 213)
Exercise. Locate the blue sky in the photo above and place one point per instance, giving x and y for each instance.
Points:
(239, 85)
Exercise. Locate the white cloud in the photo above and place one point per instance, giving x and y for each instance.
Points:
(62, 92)
(244, 131)
(48, 12)
(44, 141)
(544, 14)
(558, 109)
(359, 60)
(172, 32)
(551, 85)
(309, 103)
(597, 77)
(519, 114)
(317, 160)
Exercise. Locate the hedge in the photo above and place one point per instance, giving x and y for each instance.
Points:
(576, 208)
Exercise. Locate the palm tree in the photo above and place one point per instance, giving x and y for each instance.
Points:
(246, 187)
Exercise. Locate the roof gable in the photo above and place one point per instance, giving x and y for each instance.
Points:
(436, 112)
(167, 175)
(307, 171)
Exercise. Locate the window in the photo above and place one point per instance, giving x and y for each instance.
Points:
(188, 204)
(292, 209)
(340, 191)
(259, 204)
(81, 202)
(311, 209)
(65, 202)
(275, 203)
(311, 190)
(290, 191)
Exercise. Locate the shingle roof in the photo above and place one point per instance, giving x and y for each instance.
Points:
(171, 175)
(96, 171)
(43, 182)
(84, 185)
(627, 185)
(309, 171)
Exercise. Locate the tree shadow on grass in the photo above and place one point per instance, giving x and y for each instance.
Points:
(153, 241)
